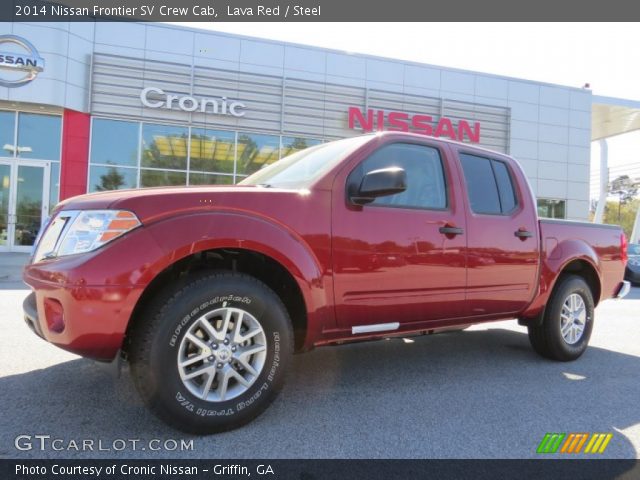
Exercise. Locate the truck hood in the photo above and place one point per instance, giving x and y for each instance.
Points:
(153, 203)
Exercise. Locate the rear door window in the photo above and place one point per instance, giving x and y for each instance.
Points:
(489, 185)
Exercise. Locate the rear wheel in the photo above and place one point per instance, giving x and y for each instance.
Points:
(213, 355)
(568, 321)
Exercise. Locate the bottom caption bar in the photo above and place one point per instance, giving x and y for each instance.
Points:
(317, 469)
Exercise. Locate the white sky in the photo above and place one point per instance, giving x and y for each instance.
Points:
(601, 54)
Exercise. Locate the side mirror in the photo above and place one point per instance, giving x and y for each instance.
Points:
(380, 183)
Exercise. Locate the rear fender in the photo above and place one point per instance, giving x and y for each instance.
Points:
(556, 259)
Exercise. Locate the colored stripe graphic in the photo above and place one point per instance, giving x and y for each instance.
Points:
(598, 443)
(581, 443)
(550, 442)
(569, 443)
(573, 442)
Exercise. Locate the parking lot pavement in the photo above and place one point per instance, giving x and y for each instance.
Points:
(481, 393)
(11, 270)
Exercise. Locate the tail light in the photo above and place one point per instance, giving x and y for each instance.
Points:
(623, 248)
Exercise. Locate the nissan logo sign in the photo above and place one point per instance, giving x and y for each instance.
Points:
(153, 97)
(20, 62)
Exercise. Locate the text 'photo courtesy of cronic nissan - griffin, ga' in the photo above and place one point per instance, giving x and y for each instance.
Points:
(209, 291)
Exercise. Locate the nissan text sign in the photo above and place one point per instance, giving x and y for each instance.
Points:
(424, 124)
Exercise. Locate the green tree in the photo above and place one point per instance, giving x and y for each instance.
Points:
(625, 189)
(298, 144)
(112, 180)
(622, 214)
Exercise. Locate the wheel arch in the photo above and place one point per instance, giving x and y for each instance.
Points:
(257, 264)
(585, 269)
(582, 261)
(242, 242)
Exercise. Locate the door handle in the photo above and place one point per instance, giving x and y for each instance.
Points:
(523, 234)
(451, 230)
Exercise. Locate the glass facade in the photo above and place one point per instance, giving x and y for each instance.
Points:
(212, 151)
(134, 154)
(550, 208)
(256, 151)
(164, 147)
(103, 178)
(29, 157)
(7, 133)
(37, 137)
(114, 142)
(293, 144)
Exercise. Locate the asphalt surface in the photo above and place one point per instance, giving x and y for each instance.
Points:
(481, 393)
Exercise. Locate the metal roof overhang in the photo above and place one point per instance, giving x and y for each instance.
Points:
(613, 116)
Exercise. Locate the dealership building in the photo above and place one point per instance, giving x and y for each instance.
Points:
(88, 107)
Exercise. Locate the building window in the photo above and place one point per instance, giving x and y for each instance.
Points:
(103, 178)
(255, 151)
(550, 208)
(7, 133)
(162, 178)
(54, 185)
(212, 151)
(164, 147)
(39, 136)
(200, 178)
(138, 154)
(294, 144)
(114, 142)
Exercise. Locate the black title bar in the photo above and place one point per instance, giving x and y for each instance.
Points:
(316, 11)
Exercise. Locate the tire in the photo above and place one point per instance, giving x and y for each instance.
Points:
(243, 377)
(548, 339)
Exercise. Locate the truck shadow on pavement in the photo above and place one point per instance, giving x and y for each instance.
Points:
(472, 394)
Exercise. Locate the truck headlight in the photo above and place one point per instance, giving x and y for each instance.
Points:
(81, 231)
(92, 229)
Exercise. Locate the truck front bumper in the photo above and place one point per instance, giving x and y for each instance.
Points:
(90, 322)
(83, 303)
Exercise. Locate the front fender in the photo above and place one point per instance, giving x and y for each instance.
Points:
(182, 236)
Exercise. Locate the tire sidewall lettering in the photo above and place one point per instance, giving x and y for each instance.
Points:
(234, 301)
(263, 384)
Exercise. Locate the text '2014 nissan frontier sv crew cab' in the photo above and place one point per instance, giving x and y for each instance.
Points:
(208, 291)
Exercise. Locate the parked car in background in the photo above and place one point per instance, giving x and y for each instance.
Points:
(632, 272)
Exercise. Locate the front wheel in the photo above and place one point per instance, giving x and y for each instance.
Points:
(213, 355)
(568, 321)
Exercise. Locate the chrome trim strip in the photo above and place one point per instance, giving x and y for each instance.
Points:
(378, 327)
(624, 289)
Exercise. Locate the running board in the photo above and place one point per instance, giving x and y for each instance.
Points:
(378, 327)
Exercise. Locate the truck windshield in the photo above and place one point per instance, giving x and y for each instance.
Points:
(300, 169)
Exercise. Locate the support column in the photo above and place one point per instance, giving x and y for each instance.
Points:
(75, 153)
(604, 181)
(635, 234)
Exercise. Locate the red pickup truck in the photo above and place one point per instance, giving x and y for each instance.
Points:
(208, 291)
